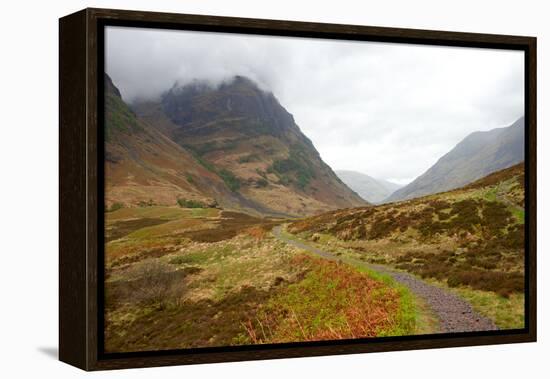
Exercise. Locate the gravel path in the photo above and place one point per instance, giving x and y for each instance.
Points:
(455, 314)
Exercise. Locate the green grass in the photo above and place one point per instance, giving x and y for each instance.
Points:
(164, 213)
(297, 168)
(204, 212)
(168, 228)
(184, 203)
(191, 258)
(230, 180)
(491, 194)
(204, 163)
(519, 214)
(118, 116)
(211, 255)
(116, 206)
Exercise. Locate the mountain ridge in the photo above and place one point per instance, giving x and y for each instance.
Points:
(247, 142)
(477, 155)
(371, 189)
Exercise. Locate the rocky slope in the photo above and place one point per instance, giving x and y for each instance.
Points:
(143, 166)
(246, 137)
(234, 146)
(476, 156)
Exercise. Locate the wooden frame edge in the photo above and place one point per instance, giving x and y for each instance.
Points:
(78, 75)
(73, 283)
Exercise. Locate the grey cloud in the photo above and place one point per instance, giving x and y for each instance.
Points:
(388, 110)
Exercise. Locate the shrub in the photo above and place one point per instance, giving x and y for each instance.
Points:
(487, 265)
(178, 260)
(230, 180)
(248, 158)
(203, 162)
(515, 238)
(466, 212)
(443, 216)
(262, 183)
(153, 282)
(303, 180)
(148, 203)
(297, 164)
(500, 282)
(262, 173)
(496, 217)
(439, 204)
(190, 203)
(453, 281)
(382, 228)
(116, 207)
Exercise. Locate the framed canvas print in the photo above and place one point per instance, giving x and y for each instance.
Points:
(236, 189)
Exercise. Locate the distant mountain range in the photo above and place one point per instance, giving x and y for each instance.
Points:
(476, 156)
(371, 189)
(233, 145)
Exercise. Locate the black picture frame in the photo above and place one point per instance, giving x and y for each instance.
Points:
(81, 56)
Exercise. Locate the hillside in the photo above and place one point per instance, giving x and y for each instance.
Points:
(144, 167)
(371, 189)
(469, 239)
(245, 136)
(391, 186)
(476, 156)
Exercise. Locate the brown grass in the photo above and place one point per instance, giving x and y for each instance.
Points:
(468, 237)
(334, 301)
(499, 176)
(230, 224)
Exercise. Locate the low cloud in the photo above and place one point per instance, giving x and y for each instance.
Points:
(388, 110)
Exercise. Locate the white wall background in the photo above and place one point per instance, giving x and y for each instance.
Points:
(28, 190)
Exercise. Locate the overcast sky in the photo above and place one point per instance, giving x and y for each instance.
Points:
(387, 110)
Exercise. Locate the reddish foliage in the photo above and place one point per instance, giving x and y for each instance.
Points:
(335, 302)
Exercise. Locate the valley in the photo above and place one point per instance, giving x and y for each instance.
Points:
(469, 241)
(181, 277)
(224, 227)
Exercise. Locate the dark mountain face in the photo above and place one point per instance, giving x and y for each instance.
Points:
(200, 108)
(239, 136)
(476, 156)
(234, 111)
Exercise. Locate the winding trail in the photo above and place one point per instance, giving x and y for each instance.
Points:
(455, 315)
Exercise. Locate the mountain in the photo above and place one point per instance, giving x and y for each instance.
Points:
(370, 189)
(476, 156)
(391, 186)
(233, 145)
(143, 166)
